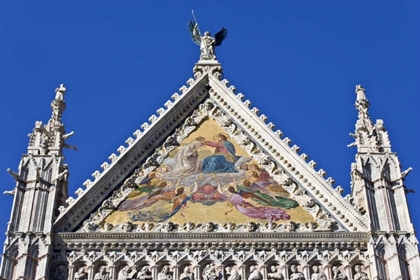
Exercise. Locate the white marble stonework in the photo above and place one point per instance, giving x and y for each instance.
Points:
(52, 235)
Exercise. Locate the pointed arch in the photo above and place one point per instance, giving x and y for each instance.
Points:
(380, 260)
(409, 261)
(32, 262)
(404, 264)
(9, 264)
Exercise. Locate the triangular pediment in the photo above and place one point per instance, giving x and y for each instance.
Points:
(173, 176)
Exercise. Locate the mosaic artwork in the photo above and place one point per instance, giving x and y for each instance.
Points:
(209, 178)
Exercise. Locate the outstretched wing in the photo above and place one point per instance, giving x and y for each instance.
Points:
(220, 36)
(195, 34)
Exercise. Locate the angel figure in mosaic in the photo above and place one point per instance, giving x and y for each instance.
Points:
(265, 195)
(255, 173)
(163, 204)
(147, 195)
(242, 204)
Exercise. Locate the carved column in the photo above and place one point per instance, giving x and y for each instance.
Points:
(43, 263)
(91, 272)
(242, 271)
(375, 261)
(263, 271)
(413, 266)
(307, 271)
(392, 262)
(222, 267)
(175, 269)
(112, 272)
(197, 272)
(328, 271)
(348, 272)
(285, 271)
(71, 272)
(22, 264)
(154, 272)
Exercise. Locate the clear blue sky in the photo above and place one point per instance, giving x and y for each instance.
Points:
(297, 61)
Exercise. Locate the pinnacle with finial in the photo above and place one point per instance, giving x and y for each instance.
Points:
(58, 105)
(362, 104)
(59, 93)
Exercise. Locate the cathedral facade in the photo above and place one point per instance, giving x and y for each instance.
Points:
(209, 190)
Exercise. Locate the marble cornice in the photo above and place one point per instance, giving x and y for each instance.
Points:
(197, 240)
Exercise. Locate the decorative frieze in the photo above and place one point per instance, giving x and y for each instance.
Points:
(212, 263)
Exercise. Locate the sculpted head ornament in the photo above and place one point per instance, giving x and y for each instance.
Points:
(108, 226)
(169, 226)
(251, 226)
(208, 227)
(128, 226)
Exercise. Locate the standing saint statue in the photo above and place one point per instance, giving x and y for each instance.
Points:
(317, 273)
(338, 274)
(206, 42)
(254, 274)
(80, 274)
(186, 274)
(275, 274)
(295, 273)
(164, 273)
(233, 273)
(102, 274)
(359, 274)
(209, 272)
(127, 273)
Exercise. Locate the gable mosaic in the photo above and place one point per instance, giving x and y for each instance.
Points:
(209, 178)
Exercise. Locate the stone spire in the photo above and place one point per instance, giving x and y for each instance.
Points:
(50, 139)
(369, 137)
(378, 191)
(41, 188)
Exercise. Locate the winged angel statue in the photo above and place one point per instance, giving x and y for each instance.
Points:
(206, 42)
